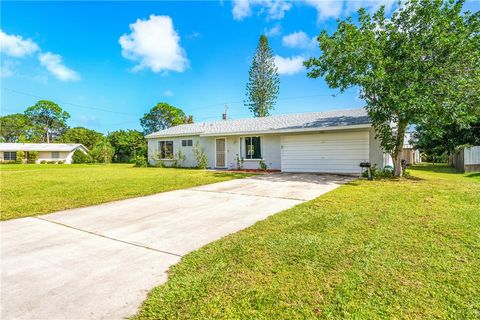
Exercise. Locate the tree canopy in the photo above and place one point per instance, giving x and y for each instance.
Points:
(48, 116)
(14, 128)
(263, 80)
(437, 140)
(87, 137)
(127, 144)
(102, 151)
(420, 64)
(163, 116)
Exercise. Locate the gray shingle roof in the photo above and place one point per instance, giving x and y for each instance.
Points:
(281, 123)
(67, 147)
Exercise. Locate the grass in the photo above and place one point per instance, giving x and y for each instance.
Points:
(367, 250)
(28, 190)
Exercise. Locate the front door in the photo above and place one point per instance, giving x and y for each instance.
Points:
(220, 147)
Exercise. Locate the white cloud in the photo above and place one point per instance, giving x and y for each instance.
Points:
(371, 5)
(16, 46)
(273, 31)
(155, 44)
(289, 66)
(327, 8)
(54, 64)
(168, 93)
(275, 8)
(241, 9)
(88, 118)
(298, 39)
(7, 68)
(194, 35)
(336, 9)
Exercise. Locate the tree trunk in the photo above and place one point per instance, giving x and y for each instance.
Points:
(450, 160)
(397, 165)
(46, 134)
(397, 159)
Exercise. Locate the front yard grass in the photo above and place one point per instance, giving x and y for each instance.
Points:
(367, 250)
(28, 190)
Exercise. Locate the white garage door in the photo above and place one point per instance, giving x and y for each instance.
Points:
(325, 152)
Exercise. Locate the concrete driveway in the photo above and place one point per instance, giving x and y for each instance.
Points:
(99, 262)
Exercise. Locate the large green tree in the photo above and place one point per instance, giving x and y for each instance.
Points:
(263, 80)
(420, 64)
(14, 128)
(87, 137)
(163, 116)
(437, 139)
(127, 144)
(102, 151)
(48, 116)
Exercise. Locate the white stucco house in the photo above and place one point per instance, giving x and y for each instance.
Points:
(330, 142)
(46, 151)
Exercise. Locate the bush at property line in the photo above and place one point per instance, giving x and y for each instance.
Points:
(139, 161)
(20, 157)
(32, 157)
(81, 157)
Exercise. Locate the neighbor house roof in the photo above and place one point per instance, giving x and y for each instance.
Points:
(66, 147)
(313, 121)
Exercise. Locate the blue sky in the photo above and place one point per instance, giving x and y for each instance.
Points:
(107, 63)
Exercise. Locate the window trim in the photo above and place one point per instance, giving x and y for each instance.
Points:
(160, 153)
(10, 155)
(187, 143)
(242, 146)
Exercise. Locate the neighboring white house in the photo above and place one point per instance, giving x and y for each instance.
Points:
(333, 142)
(409, 153)
(46, 151)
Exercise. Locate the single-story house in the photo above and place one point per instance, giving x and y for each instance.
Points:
(46, 151)
(330, 142)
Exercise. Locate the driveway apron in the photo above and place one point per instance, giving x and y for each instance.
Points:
(99, 262)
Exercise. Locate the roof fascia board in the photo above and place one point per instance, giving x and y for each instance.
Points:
(175, 135)
(358, 126)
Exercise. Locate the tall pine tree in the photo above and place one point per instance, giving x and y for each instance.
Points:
(263, 80)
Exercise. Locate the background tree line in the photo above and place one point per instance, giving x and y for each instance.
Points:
(46, 122)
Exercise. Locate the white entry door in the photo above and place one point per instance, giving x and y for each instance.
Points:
(339, 152)
(221, 152)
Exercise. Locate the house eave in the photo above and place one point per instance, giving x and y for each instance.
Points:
(15, 147)
(296, 130)
(261, 132)
(174, 135)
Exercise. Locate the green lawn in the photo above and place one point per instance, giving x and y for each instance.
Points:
(368, 250)
(28, 190)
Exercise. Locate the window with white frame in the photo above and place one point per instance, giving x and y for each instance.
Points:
(187, 143)
(10, 155)
(251, 147)
(165, 149)
(55, 155)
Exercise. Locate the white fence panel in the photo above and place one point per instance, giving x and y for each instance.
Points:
(472, 155)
